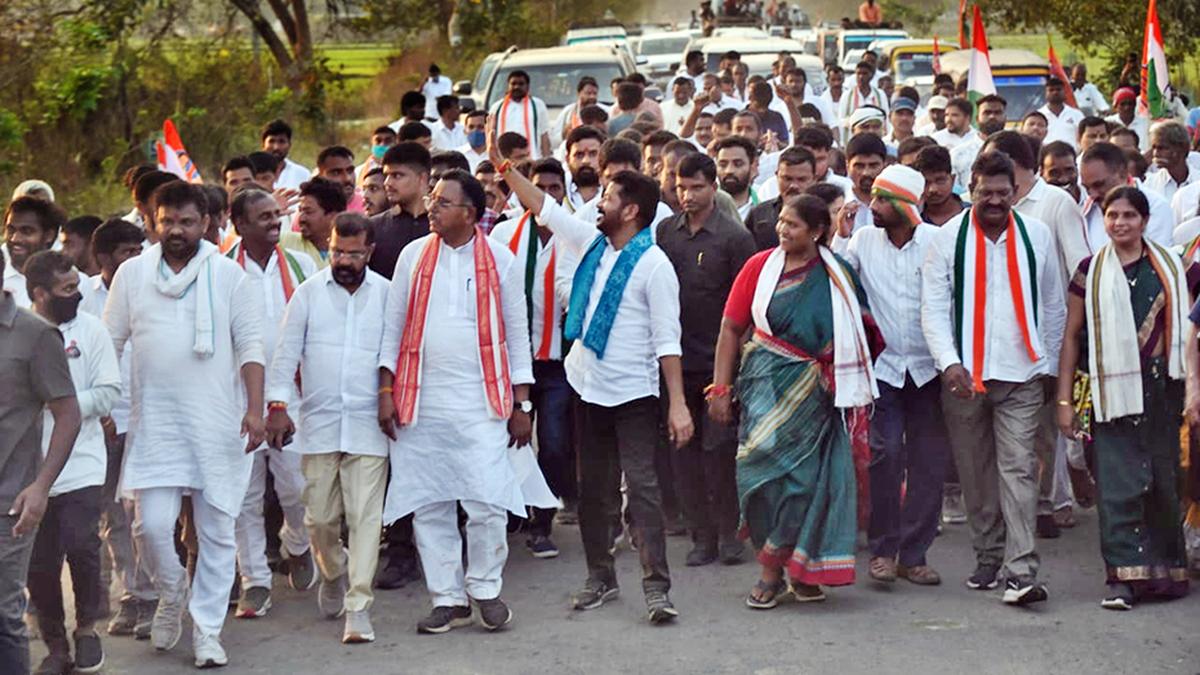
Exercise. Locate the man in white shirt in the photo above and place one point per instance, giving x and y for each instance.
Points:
(31, 225)
(587, 92)
(693, 68)
(993, 357)
(1104, 167)
(448, 132)
(991, 117)
(451, 378)
(737, 167)
(1087, 95)
(1185, 205)
(958, 124)
(1062, 121)
(835, 79)
(678, 108)
(934, 119)
(475, 129)
(1125, 103)
(277, 139)
(276, 272)
(583, 164)
(331, 332)
(1170, 144)
(69, 528)
(623, 338)
(908, 437)
(113, 243)
(718, 100)
(534, 246)
(863, 93)
(190, 342)
(865, 157)
(523, 113)
(434, 87)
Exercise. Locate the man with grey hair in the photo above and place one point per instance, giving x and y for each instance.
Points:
(1169, 146)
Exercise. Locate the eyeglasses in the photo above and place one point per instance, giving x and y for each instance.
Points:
(440, 203)
(356, 256)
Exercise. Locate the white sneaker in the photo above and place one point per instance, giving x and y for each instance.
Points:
(358, 628)
(167, 626)
(954, 511)
(209, 652)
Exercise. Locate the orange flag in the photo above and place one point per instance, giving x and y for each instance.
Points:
(1057, 71)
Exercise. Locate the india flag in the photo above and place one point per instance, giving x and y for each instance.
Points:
(979, 75)
(1152, 101)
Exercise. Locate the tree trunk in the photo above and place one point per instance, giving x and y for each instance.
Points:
(291, 69)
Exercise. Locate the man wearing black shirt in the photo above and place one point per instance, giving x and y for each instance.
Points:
(795, 172)
(406, 168)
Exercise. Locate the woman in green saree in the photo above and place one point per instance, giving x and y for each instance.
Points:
(805, 377)
(1126, 320)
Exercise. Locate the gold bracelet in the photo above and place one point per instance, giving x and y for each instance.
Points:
(385, 390)
(1066, 403)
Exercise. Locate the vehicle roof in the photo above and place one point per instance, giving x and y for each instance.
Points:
(960, 59)
(591, 31)
(887, 46)
(581, 53)
(855, 32)
(758, 45)
(667, 34)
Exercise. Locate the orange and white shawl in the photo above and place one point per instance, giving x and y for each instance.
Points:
(493, 346)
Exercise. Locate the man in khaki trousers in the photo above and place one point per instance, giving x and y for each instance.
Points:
(330, 339)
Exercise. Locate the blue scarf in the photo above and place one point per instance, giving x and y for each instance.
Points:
(606, 310)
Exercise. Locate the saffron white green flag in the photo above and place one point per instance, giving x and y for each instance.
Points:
(979, 75)
(1152, 100)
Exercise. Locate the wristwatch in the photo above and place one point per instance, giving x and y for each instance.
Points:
(525, 406)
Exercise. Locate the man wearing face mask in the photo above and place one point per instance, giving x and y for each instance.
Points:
(475, 149)
(70, 527)
(331, 332)
(381, 139)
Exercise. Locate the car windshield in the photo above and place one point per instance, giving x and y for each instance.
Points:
(1024, 94)
(912, 64)
(655, 47)
(555, 84)
(485, 71)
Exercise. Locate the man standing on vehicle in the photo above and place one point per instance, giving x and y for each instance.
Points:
(524, 114)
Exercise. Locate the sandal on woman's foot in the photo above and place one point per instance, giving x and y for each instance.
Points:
(1120, 597)
(768, 594)
(807, 593)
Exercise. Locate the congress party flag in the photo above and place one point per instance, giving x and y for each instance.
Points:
(1152, 100)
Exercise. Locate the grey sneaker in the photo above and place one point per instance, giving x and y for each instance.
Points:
(331, 597)
(55, 663)
(593, 594)
(443, 618)
(126, 618)
(358, 628)
(255, 603)
(145, 619)
(208, 650)
(494, 614)
(954, 511)
(167, 626)
(89, 653)
(302, 571)
(659, 608)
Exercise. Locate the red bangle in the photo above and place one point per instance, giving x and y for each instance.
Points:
(716, 391)
(504, 167)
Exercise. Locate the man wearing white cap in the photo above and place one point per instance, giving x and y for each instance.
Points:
(934, 118)
(907, 432)
(867, 120)
(34, 188)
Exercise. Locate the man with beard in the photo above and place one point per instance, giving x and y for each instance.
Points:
(908, 438)
(624, 315)
(991, 118)
(321, 201)
(185, 422)
(406, 168)
(865, 157)
(737, 165)
(673, 154)
(277, 139)
(276, 272)
(993, 358)
(583, 164)
(538, 258)
(940, 202)
(336, 163)
(794, 173)
(958, 124)
(1104, 167)
(586, 93)
(707, 249)
(70, 526)
(652, 151)
(616, 155)
(522, 113)
(1062, 121)
(1058, 167)
(30, 225)
(677, 110)
(331, 332)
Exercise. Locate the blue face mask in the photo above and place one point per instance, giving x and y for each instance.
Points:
(477, 138)
(378, 151)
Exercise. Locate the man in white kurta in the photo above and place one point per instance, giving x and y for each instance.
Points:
(455, 450)
(277, 271)
(192, 331)
(332, 332)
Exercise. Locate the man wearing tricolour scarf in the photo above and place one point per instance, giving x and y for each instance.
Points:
(194, 319)
(993, 317)
(624, 315)
(454, 374)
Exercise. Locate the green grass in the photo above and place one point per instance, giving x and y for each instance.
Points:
(358, 59)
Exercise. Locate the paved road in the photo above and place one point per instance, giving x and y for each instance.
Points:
(864, 628)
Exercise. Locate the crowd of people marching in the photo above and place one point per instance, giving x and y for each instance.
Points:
(767, 319)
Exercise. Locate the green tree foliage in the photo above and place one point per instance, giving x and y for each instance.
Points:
(1113, 28)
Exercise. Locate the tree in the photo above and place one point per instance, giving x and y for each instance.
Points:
(1113, 28)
